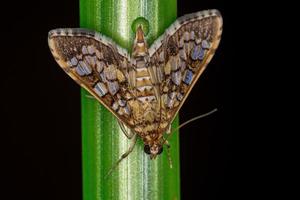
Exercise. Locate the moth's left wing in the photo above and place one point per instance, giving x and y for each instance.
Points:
(179, 57)
(97, 64)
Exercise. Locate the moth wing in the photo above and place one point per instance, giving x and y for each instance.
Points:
(179, 57)
(97, 64)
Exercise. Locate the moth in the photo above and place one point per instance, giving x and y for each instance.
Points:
(146, 88)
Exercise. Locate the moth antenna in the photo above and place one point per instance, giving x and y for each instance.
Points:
(122, 157)
(113, 168)
(189, 121)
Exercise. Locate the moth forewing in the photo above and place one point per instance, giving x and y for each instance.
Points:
(68, 44)
(182, 27)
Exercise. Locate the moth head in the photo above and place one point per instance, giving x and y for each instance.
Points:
(140, 45)
(153, 150)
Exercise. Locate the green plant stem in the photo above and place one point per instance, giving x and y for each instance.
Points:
(137, 177)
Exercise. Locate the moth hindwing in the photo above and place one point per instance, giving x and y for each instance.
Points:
(146, 89)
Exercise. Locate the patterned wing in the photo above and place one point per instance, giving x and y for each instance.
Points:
(179, 57)
(97, 64)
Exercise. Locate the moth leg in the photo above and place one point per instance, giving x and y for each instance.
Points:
(168, 152)
(167, 144)
(124, 155)
(128, 134)
(168, 131)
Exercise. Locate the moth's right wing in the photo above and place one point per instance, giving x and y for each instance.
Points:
(97, 64)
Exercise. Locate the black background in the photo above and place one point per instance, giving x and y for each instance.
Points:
(40, 108)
